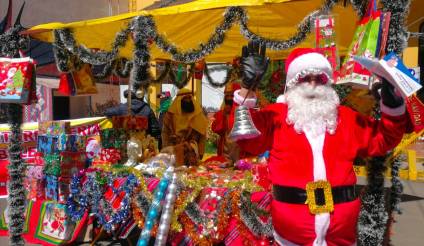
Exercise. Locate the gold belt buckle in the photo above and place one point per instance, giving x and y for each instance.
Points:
(328, 206)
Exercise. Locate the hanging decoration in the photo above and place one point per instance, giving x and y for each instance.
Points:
(11, 42)
(395, 193)
(144, 30)
(230, 74)
(373, 215)
(155, 208)
(397, 188)
(397, 37)
(16, 189)
(359, 6)
(304, 28)
(10, 45)
(168, 207)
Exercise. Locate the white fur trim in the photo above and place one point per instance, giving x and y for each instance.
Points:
(392, 111)
(322, 221)
(249, 102)
(281, 241)
(281, 99)
(307, 61)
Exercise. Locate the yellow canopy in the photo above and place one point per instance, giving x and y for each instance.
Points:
(189, 24)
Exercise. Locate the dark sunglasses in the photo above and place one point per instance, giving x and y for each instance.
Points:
(321, 79)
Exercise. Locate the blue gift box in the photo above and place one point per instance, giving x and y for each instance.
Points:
(47, 144)
(52, 187)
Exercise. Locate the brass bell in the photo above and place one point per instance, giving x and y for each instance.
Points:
(243, 128)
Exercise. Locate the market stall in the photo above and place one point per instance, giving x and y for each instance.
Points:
(113, 178)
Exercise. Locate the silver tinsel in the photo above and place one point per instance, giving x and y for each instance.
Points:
(251, 220)
(229, 72)
(144, 31)
(397, 188)
(373, 216)
(397, 37)
(10, 44)
(303, 29)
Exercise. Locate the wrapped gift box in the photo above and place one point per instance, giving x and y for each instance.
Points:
(63, 188)
(71, 163)
(111, 155)
(52, 187)
(260, 176)
(54, 128)
(113, 138)
(74, 143)
(34, 182)
(52, 165)
(100, 163)
(38, 159)
(35, 189)
(47, 144)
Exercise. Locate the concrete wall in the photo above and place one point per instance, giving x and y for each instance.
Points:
(136, 5)
(44, 11)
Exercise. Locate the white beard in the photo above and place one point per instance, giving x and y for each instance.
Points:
(312, 109)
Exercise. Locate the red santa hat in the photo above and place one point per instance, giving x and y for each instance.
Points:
(304, 61)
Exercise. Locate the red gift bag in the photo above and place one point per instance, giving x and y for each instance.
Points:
(79, 82)
(17, 80)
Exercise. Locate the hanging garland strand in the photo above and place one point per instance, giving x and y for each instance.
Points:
(395, 194)
(373, 215)
(142, 28)
(120, 67)
(229, 73)
(193, 55)
(10, 44)
(302, 31)
(16, 190)
(397, 188)
(397, 37)
(87, 55)
(360, 6)
(61, 54)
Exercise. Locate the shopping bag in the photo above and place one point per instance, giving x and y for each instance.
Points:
(367, 41)
(66, 85)
(325, 39)
(17, 80)
(80, 82)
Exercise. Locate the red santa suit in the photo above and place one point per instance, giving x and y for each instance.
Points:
(299, 158)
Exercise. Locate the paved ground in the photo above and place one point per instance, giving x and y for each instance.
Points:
(408, 229)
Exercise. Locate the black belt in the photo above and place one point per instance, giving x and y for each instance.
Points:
(296, 195)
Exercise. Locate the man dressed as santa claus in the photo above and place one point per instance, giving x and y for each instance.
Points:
(313, 141)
